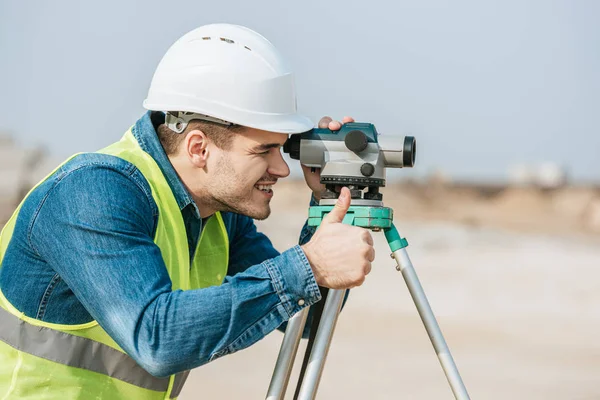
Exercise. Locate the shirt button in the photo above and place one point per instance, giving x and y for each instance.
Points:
(301, 302)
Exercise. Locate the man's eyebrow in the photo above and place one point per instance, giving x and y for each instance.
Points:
(267, 146)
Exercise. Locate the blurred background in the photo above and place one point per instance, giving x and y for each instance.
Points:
(502, 210)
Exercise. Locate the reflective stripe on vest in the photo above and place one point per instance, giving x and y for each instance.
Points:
(34, 353)
(75, 351)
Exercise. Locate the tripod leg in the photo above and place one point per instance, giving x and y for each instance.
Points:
(399, 253)
(316, 362)
(287, 355)
(317, 310)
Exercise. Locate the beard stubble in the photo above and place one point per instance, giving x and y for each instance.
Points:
(229, 192)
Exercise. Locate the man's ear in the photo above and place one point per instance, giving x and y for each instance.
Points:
(196, 147)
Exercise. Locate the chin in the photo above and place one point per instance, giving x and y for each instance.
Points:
(258, 209)
(260, 214)
(249, 210)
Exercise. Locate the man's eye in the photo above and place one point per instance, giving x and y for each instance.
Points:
(264, 152)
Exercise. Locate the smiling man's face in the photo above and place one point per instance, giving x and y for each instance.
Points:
(240, 178)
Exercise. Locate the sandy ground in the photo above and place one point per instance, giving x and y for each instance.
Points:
(520, 312)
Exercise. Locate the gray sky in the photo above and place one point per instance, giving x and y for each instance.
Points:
(481, 84)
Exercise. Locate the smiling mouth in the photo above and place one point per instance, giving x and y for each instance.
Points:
(264, 188)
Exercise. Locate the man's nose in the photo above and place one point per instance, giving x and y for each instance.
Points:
(278, 166)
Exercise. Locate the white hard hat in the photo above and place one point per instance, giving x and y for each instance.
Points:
(230, 73)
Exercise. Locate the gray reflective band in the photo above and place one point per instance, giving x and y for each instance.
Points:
(180, 379)
(75, 351)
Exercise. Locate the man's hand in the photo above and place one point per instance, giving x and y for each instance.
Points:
(340, 255)
(313, 179)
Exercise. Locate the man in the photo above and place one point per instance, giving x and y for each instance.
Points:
(128, 267)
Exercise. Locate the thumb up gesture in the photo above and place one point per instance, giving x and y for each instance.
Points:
(340, 255)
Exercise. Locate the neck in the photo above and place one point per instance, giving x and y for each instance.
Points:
(206, 206)
(206, 210)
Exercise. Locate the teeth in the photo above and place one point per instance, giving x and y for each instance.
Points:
(264, 188)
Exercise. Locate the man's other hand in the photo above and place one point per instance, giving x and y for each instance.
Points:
(313, 179)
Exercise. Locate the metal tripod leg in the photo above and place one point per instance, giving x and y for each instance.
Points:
(397, 244)
(287, 355)
(316, 362)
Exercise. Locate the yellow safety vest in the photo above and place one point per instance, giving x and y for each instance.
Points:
(41, 360)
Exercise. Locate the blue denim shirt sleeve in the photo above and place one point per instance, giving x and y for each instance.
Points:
(308, 231)
(306, 234)
(249, 247)
(95, 228)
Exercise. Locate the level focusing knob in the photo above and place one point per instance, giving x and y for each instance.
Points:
(367, 169)
(356, 141)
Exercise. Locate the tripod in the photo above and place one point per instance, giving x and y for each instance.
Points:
(372, 215)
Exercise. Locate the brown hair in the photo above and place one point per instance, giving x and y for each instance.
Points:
(220, 135)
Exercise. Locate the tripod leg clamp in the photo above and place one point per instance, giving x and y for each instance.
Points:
(394, 239)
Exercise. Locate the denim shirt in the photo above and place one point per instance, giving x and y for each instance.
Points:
(83, 250)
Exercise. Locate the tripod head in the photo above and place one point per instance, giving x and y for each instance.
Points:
(353, 156)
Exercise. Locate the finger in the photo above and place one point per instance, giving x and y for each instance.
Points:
(335, 125)
(367, 237)
(361, 280)
(371, 256)
(324, 122)
(367, 269)
(338, 212)
(369, 253)
(347, 119)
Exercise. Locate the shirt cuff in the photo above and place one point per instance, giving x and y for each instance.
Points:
(293, 280)
(308, 231)
(313, 201)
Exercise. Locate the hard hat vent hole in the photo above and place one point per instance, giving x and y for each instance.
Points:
(206, 38)
(226, 40)
(246, 47)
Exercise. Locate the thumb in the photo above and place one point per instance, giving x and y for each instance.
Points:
(339, 210)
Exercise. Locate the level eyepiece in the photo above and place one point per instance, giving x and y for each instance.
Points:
(292, 146)
(409, 150)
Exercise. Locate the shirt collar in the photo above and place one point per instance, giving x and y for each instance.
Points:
(144, 131)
